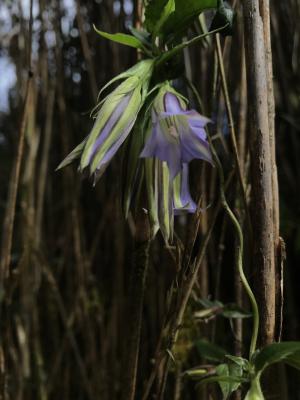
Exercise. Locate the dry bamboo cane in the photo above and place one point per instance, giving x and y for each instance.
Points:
(261, 160)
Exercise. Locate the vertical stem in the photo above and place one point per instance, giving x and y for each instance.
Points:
(262, 194)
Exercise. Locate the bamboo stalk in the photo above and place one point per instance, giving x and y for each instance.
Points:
(262, 193)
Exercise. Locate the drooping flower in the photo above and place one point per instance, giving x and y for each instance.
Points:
(114, 121)
(178, 135)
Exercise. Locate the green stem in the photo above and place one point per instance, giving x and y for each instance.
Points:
(239, 254)
(177, 49)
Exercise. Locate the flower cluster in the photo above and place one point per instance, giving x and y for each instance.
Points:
(174, 136)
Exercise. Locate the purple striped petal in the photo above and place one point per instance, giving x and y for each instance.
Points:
(112, 151)
(115, 116)
(164, 145)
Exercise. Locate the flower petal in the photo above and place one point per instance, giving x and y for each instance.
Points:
(115, 116)
(164, 144)
(193, 146)
(102, 165)
(118, 133)
(182, 199)
(172, 104)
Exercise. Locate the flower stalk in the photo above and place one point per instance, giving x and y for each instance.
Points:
(240, 252)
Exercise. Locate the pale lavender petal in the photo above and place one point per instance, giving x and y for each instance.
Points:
(200, 132)
(192, 146)
(101, 167)
(197, 119)
(165, 146)
(185, 196)
(172, 104)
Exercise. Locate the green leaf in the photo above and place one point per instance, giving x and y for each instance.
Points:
(121, 38)
(223, 370)
(294, 360)
(233, 371)
(153, 13)
(240, 361)
(167, 11)
(222, 378)
(142, 36)
(210, 351)
(277, 352)
(233, 311)
(211, 304)
(179, 20)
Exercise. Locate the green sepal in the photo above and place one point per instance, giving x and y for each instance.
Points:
(125, 120)
(177, 191)
(142, 69)
(76, 153)
(132, 164)
(149, 166)
(102, 117)
(165, 207)
(196, 373)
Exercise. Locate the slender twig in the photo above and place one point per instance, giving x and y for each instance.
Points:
(177, 49)
(232, 132)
